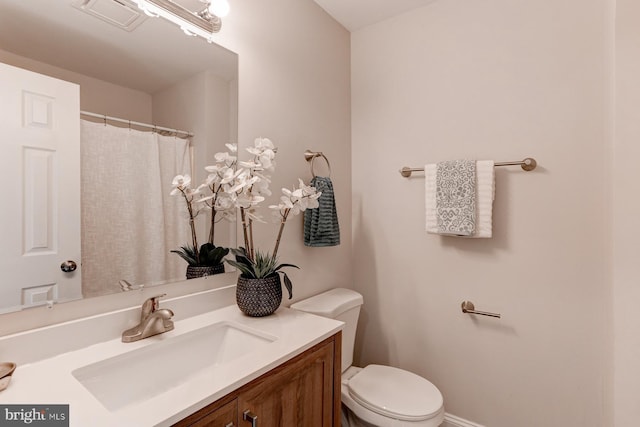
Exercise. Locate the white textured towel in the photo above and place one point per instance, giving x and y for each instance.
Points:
(485, 191)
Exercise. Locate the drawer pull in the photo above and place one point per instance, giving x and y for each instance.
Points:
(250, 416)
(229, 425)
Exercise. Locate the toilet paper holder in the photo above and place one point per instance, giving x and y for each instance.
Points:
(469, 308)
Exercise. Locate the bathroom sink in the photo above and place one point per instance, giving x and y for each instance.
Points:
(152, 370)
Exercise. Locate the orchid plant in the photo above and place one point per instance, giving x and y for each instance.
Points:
(207, 254)
(246, 185)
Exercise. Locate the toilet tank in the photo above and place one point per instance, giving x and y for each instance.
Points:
(340, 304)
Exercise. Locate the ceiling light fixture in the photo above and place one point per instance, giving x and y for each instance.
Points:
(204, 23)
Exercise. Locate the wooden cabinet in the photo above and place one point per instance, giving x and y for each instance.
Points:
(224, 416)
(302, 392)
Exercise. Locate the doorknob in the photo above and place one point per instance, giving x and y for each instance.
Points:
(68, 266)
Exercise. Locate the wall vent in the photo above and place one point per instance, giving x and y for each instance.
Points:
(123, 14)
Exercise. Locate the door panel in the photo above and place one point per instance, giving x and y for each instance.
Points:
(40, 214)
(300, 394)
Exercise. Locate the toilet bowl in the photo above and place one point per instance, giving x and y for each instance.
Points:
(376, 395)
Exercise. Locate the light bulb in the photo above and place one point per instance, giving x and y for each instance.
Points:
(220, 8)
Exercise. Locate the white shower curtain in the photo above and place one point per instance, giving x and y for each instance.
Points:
(130, 223)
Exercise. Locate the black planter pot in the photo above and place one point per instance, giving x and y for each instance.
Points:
(259, 297)
(195, 271)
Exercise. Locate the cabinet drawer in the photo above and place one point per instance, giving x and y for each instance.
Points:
(223, 416)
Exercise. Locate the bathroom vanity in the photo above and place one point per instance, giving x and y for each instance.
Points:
(218, 368)
(304, 391)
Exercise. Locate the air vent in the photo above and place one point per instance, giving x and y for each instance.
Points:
(123, 14)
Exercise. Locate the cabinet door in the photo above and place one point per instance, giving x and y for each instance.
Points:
(299, 393)
(225, 416)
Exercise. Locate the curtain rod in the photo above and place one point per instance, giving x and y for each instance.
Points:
(130, 122)
(527, 164)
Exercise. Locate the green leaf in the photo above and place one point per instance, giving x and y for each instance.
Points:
(244, 260)
(211, 255)
(263, 265)
(288, 284)
(221, 252)
(246, 271)
(285, 265)
(239, 251)
(207, 255)
(188, 253)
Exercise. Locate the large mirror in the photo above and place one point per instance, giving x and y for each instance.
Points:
(144, 71)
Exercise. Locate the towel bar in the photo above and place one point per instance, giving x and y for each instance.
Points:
(527, 164)
(311, 156)
(469, 308)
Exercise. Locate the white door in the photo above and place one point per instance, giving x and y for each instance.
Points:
(40, 188)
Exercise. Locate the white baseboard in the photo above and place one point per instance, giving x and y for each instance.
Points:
(453, 421)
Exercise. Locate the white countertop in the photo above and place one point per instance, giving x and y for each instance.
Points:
(50, 381)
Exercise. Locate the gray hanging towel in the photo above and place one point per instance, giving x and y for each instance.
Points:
(456, 197)
(321, 224)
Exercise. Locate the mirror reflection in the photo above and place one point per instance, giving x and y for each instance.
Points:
(153, 103)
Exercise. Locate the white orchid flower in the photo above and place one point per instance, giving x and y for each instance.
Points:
(252, 180)
(241, 202)
(297, 200)
(228, 175)
(298, 193)
(255, 199)
(181, 181)
(224, 202)
(286, 202)
(250, 164)
(191, 191)
(264, 143)
(254, 151)
(213, 168)
(262, 176)
(313, 201)
(247, 201)
(233, 187)
(225, 157)
(267, 162)
(205, 199)
(180, 184)
(253, 216)
(232, 147)
(212, 179)
(261, 187)
(307, 190)
(239, 182)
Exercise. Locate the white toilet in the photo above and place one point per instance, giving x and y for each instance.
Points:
(376, 395)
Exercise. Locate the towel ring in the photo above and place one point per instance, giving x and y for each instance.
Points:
(311, 156)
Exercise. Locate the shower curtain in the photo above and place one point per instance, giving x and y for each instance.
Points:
(130, 223)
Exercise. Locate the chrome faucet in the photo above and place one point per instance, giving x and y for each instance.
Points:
(153, 321)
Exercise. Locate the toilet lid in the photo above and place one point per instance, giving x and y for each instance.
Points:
(395, 393)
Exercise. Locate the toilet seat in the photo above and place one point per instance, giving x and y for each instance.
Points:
(395, 393)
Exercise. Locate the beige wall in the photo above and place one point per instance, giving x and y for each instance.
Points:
(626, 211)
(294, 88)
(502, 80)
(96, 96)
